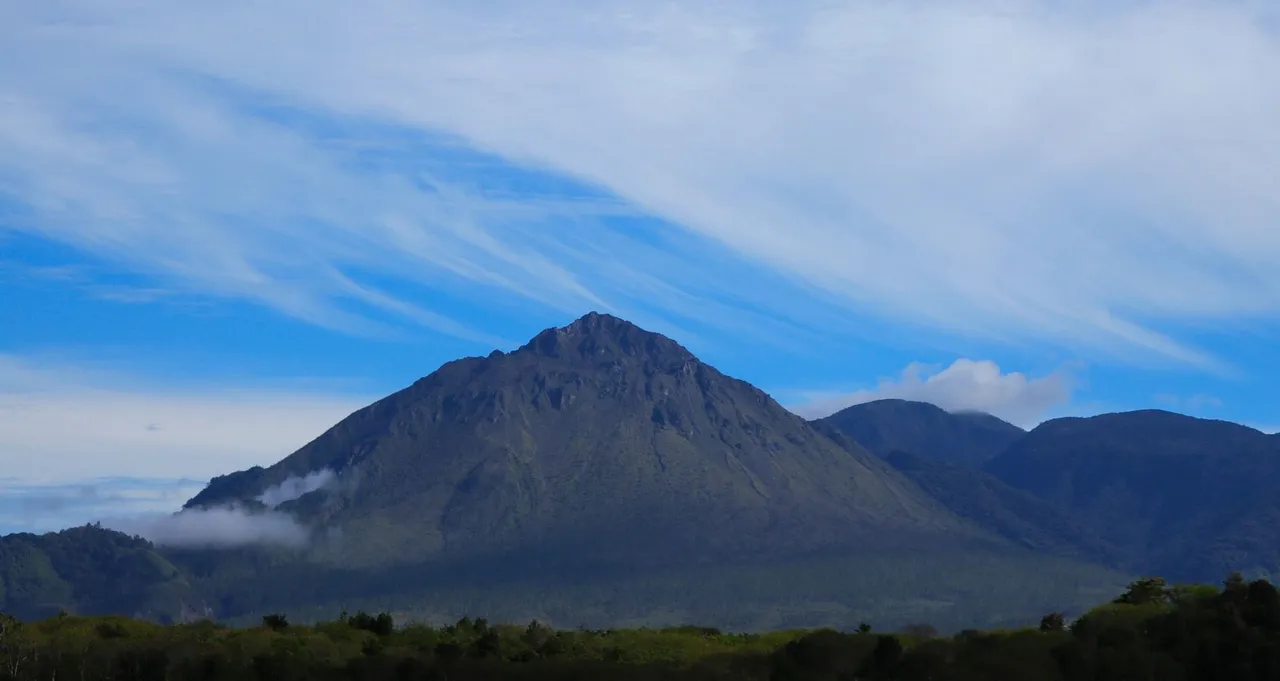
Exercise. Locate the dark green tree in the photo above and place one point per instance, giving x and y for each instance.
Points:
(884, 659)
(1145, 591)
(1054, 621)
(15, 649)
(1263, 605)
(921, 632)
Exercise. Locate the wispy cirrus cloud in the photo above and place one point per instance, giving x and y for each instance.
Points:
(1115, 178)
(214, 186)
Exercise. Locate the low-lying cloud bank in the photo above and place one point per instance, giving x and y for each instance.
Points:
(966, 385)
(220, 527)
(233, 525)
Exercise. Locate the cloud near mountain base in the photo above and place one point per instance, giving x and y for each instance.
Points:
(220, 527)
(233, 525)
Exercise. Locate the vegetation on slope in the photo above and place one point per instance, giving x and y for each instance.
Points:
(96, 571)
(951, 590)
(93, 571)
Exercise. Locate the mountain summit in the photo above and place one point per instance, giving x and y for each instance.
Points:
(967, 439)
(598, 441)
(596, 334)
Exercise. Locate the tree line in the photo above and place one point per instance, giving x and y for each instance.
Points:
(1153, 631)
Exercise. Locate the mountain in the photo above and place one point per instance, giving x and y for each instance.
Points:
(883, 426)
(1184, 497)
(602, 473)
(601, 442)
(90, 570)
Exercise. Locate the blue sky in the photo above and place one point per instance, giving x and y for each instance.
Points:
(222, 229)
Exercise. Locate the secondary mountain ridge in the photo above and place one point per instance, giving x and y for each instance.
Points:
(1181, 496)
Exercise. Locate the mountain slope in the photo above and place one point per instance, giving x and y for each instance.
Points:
(883, 426)
(1009, 512)
(601, 442)
(89, 570)
(1188, 498)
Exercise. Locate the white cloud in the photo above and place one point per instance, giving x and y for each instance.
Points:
(1078, 173)
(231, 524)
(219, 527)
(295, 487)
(966, 385)
(152, 508)
(215, 190)
(61, 423)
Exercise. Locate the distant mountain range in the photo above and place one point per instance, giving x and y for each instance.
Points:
(601, 474)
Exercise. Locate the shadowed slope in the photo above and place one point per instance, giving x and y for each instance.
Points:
(1190, 498)
(1011, 513)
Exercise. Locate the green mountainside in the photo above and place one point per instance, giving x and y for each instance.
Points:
(949, 589)
(90, 570)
